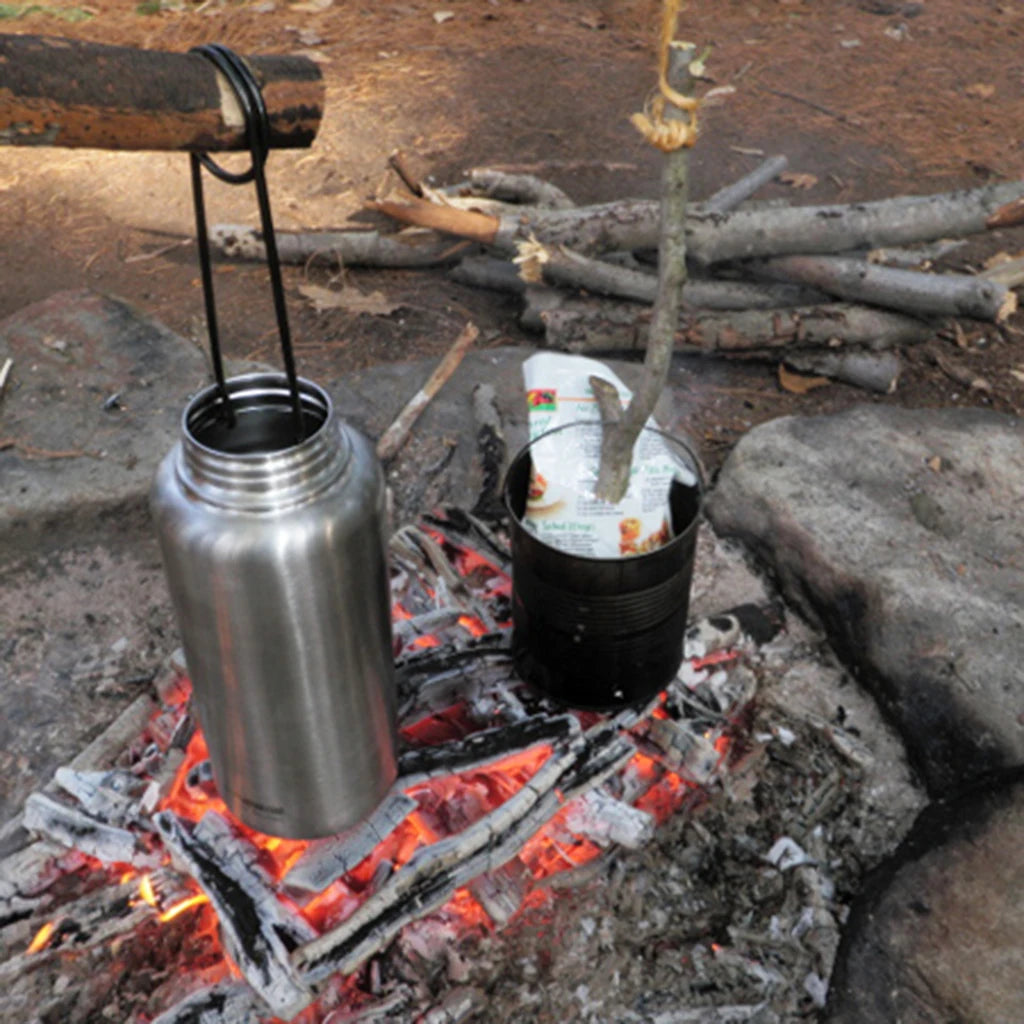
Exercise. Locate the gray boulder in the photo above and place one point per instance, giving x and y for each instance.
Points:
(937, 934)
(902, 533)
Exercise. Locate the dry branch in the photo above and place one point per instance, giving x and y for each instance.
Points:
(908, 291)
(351, 248)
(592, 327)
(731, 196)
(68, 92)
(394, 437)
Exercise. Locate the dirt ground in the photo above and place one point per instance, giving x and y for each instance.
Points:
(869, 97)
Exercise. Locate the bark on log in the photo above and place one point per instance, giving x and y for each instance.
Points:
(67, 92)
(741, 234)
(590, 327)
(345, 248)
(830, 229)
(907, 291)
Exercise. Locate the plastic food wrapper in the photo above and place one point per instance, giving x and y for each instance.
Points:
(560, 505)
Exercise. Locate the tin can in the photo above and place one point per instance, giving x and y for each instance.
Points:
(275, 556)
(601, 633)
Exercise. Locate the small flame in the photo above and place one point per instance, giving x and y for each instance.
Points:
(42, 937)
(179, 908)
(146, 890)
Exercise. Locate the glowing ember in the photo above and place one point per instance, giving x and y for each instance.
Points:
(42, 937)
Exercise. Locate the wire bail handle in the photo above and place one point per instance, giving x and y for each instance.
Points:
(257, 135)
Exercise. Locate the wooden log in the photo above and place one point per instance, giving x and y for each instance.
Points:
(903, 220)
(741, 234)
(68, 92)
(907, 291)
(588, 326)
(873, 371)
(350, 248)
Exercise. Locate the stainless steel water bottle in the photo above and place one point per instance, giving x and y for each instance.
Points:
(275, 557)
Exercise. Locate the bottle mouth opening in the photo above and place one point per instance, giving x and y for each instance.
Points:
(263, 420)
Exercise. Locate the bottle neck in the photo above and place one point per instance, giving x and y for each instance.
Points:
(255, 464)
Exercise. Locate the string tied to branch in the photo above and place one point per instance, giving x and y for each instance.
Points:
(668, 134)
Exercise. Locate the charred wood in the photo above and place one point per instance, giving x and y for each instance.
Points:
(224, 1003)
(428, 880)
(257, 930)
(326, 860)
(68, 92)
(483, 748)
(77, 830)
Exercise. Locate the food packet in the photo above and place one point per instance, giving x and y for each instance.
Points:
(560, 507)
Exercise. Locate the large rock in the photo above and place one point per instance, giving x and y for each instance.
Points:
(937, 934)
(902, 532)
(93, 401)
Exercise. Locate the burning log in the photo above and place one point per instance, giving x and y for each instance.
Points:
(68, 92)
(433, 874)
(76, 829)
(483, 748)
(259, 932)
(908, 291)
(326, 860)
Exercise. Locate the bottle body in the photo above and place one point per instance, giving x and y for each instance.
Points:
(275, 557)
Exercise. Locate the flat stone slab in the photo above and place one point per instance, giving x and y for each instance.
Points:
(937, 933)
(93, 401)
(902, 532)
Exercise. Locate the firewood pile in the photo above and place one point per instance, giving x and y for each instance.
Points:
(833, 290)
(135, 893)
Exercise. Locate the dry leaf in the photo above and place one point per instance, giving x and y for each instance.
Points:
(442, 16)
(981, 90)
(798, 180)
(798, 383)
(1017, 372)
(350, 299)
(593, 20)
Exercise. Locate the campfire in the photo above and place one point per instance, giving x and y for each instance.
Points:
(499, 792)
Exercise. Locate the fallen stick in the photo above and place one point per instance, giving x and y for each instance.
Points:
(907, 291)
(345, 248)
(394, 437)
(517, 188)
(68, 92)
(583, 326)
(731, 196)
(873, 371)
(740, 234)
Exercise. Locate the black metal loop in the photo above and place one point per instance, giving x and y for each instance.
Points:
(257, 135)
